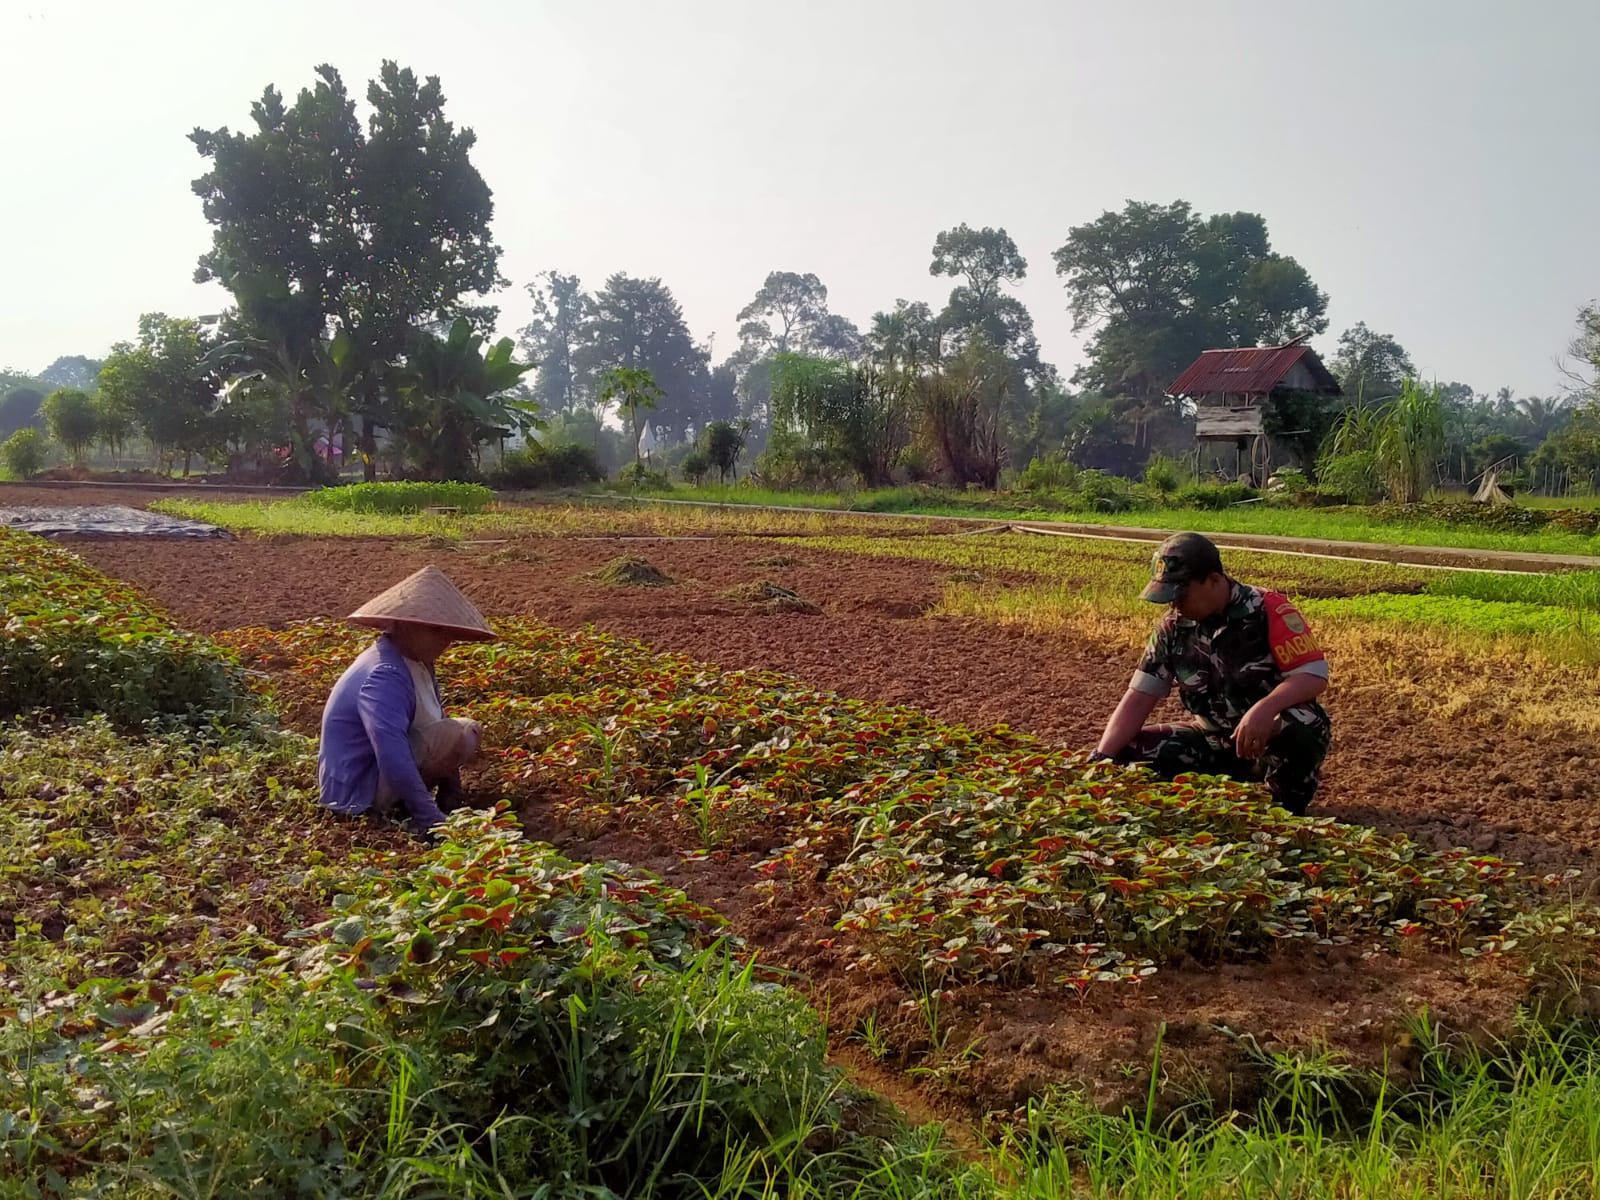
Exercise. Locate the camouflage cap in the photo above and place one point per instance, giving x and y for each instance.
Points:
(1182, 559)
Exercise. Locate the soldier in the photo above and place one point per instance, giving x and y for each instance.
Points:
(1248, 672)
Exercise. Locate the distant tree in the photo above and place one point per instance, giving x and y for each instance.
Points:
(783, 313)
(69, 415)
(553, 339)
(986, 259)
(73, 371)
(20, 409)
(722, 394)
(632, 390)
(637, 324)
(1575, 450)
(1160, 283)
(1496, 447)
(114, 424)
(1371, 365)
(721, 443)
(906, 337)
(23, 453)
(374, 231)
(162, 380)
(1583, 366)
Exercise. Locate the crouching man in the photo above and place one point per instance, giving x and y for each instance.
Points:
(1248, 672)
(386, 743)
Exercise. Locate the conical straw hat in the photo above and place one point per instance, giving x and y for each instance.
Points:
(426, 598)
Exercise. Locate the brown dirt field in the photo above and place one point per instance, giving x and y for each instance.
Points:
(871, 641)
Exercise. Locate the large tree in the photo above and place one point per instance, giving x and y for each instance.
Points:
(788, 315)
(321, 223)
(1371, 365)
(985, 260)
(553, 337)
(638, 324)
(1160, 283)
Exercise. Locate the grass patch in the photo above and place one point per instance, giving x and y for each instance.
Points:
(1326, 524)
(769, 597)
(400, 497)
(630, 571)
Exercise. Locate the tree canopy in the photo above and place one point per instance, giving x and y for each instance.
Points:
(1158, 284)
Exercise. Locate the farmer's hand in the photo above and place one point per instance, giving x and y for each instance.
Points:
(1255, 730)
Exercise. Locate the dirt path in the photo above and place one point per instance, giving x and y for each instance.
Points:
(1520, 795)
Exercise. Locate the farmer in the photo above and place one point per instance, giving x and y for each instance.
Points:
(1248, 672)
(386, 743)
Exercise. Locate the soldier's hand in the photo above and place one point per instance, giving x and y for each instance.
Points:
(1256, 728)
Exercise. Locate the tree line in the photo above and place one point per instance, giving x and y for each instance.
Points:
(359, 255)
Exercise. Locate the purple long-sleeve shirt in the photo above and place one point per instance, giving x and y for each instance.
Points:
(365, 737)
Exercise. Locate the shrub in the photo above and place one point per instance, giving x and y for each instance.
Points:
(397, 497)
(694, 466)
(77, 643)
(1050, 473)
(1288, 480)
(537, 466)
(1355, 477)
(791, 463)
(721, 444)
(644, 479)
(24, 453)
(1164, 475)
(1213, 497)
(1104, 493)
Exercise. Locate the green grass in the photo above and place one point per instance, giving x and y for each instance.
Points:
(1328, 524)
(1550, 614)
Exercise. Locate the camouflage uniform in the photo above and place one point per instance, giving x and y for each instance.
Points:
(1222, 667)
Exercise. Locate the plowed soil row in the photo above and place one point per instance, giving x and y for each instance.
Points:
(871, 640)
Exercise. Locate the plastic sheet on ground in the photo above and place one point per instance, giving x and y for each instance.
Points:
(104, 520)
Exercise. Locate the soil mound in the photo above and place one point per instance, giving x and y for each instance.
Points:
(771, 597)
(631, 571)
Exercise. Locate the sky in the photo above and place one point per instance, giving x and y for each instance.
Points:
(1433, 164)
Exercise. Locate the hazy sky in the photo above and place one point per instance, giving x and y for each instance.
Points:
(1435, 166)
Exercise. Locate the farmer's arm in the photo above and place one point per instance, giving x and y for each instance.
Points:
(1132, 711)
(1151, 682)
(1257, 726)
(386, 704)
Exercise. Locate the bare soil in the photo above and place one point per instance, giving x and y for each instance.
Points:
(1516, 794)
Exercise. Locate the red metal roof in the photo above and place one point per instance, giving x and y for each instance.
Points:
(1255, 370)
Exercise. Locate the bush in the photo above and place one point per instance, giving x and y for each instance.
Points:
(1212, 497)
(1163, 475)
(401, 497)
(641, 478)
(1355, 478)
(1050, 473)
(536, 466)
(791, 463)
(1104, 493)
(79, 643)
(1289, 481)
(24, 453)
(694, 466)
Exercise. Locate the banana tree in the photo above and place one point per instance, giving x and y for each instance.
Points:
(453, 397)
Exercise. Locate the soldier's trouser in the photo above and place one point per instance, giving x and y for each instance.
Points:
(1291, 767)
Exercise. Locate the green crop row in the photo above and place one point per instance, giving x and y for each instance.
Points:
(950, 852)
(76, 642)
